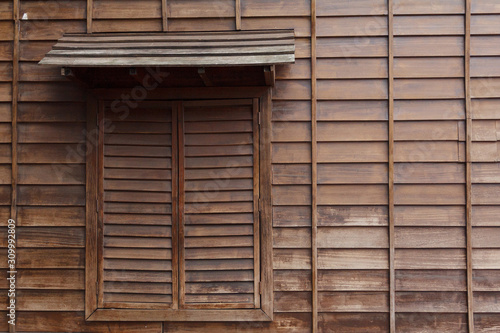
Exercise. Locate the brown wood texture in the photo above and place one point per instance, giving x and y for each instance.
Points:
(444, 103)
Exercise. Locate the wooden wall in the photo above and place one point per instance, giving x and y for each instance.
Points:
(386, 181)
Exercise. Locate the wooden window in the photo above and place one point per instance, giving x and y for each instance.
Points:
(178, 224)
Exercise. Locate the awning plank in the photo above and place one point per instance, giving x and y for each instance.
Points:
(228, 48)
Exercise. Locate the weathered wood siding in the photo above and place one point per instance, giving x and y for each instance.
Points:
(399, 117)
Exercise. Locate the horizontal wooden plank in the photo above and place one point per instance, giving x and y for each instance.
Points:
(70, 195)
(50, 10)
(348, 8)
(485, 24)
(430, 173)
(486, 280)
(354, 90)
(51, 133)
(291, 110)
(485, 151)
(485, 108)
(430, 151)
(51, 216)
(430, 259)
(291, 238)
(486, 259)
(432, 302)
(126, 9)
(485, 237)
(486, 130)
(292, 301)
(204, 8)
(292, 259)
(291, 132)
(353, 280)
(124, 253)
(428, 25)
(352, 152)
(402, 7)
(353, 301)
(350, 173)
(137, 276)
(50, 258)
(347, 47)
(485, 216)
(431, 280)
(428, 67)
(352, 131)
(291, 195)
(353, 259)
(429, 110)
(291, 153)
(67, 279)
(352, 68)
(352, 26)
(484, 67)
(292, 90)
(301, 69)
(300, 24)
(428, 88)
(50, 30)
(291, 216)
(428, 46)
(429, 216)
(429, 237)
(429, 194)
(51, 112)
(286, 280)
(60, 237)
(50, 300)
(352, 110)
(488, 322)
(353, 237)
(364, 322)
(50, 92)
(437, 322)
(286, 174)
(483, 194)
(352, 216)
(352, 194)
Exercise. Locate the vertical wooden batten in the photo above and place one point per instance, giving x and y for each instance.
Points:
(238, 14)
(164, 14)
(392, 273)
(15, 95)
(468, 166)
(90, 11)
(314, 172)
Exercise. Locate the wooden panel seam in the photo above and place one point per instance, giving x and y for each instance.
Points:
(392, 273)
(468, 163)
(314, 172)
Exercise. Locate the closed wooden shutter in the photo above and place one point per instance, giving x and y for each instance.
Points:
(137, 270)
(219, 189)
(180, 206)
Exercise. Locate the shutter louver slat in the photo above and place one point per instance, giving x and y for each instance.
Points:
(218, 220)
(137, 218)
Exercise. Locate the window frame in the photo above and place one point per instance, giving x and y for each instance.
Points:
(95, 98)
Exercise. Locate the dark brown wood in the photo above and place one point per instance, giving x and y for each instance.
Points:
(314, 169)
(164, 14)
(392, 250)
(468, 164)
(91, 248)
(238, 14)
(90, 14)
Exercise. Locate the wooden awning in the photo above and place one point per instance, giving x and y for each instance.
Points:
(179, 49)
